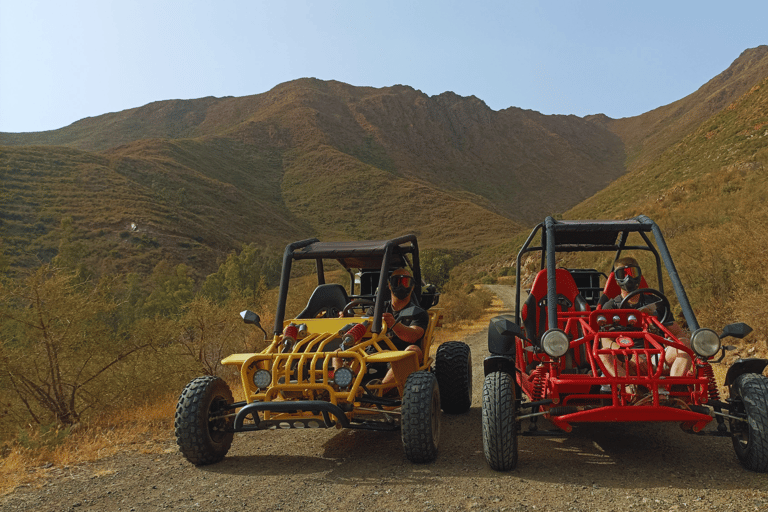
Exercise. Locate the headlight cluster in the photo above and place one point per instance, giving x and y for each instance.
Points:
(555, 342)
(705, 342)
(343, 377)
(262, 379)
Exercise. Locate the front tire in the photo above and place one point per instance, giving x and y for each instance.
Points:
(453, 369)
(750, 438)
(499, 428)
(203, 440)
(420, 425)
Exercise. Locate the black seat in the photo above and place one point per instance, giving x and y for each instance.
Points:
(328, 300)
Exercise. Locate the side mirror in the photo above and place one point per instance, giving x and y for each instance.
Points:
(250, 317)
(722, 353)
(738, 330)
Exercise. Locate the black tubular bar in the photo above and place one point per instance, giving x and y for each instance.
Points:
(285, 278)
(682, 297)
(389, 248)
(327, 409)
(517, 270)
(378, 308)
(336, 250)
(314, 406)
(551, 276)
(573, 243)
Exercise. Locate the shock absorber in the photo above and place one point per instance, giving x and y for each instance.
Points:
(539, 380)
(354, 335)
(289, 337)
(714, 393)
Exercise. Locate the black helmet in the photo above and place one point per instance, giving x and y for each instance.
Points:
(401, 284)
(628, 277)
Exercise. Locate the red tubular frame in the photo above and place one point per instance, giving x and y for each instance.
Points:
(573, 395)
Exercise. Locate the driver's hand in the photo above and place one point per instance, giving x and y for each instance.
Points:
(649, 309)
(389, 319)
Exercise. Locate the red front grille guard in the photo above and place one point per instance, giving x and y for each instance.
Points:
(645, 392)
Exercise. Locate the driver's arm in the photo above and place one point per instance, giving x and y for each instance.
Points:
(407, 333)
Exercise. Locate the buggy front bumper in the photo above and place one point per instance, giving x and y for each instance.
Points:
(322, 415)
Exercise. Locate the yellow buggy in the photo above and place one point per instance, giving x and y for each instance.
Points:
(324, 368)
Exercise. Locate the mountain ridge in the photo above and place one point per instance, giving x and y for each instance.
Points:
(328, 159)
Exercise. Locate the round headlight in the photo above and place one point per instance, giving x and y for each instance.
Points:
(343, 377)
(555, 342)
(705, 342)
(262, 379)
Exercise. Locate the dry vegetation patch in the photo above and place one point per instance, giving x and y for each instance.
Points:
(39, 455)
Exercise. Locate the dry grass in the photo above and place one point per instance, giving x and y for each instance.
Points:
(461, 329)
(145, 429)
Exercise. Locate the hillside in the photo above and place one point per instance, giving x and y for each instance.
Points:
(708, 193)
(647, 136)
(189, 181)
(192, 180)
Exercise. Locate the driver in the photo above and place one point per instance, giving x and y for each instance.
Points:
(405, 333)
(627, 273)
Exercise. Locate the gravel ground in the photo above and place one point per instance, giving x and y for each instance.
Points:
(596, 467)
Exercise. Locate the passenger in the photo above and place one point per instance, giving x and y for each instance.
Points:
(627, 274)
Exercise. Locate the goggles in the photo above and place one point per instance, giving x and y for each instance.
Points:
(622, 273)
(401, 281)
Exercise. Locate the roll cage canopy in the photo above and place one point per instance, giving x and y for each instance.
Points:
(379, 256)
(596, 236)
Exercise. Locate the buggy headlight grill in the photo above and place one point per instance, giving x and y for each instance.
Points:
(705, 342)
(343, 377)
(555, 343)
(262, 379)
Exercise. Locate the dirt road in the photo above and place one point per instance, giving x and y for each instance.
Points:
(598, 467)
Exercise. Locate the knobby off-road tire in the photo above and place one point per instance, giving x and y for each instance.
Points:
(200, 439)
(453, 369)
(499, 429)
(750, 439)
(420, 423)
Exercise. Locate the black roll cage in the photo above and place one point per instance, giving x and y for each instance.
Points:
(381, 255)
(595, 236)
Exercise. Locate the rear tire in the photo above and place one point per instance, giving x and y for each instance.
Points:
(499, 428)
(453, 369)
(200, 439)
(420, 425)
(750, 439)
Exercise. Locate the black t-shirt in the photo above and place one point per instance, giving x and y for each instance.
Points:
(420, 319)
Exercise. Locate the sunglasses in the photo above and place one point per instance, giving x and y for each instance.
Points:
(622, 273)
(404, 281)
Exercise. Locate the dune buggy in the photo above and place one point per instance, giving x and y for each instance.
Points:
(550, 360)
(324, 368)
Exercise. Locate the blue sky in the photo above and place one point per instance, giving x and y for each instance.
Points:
(63, 61)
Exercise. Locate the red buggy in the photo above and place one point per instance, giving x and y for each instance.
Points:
(548, 360)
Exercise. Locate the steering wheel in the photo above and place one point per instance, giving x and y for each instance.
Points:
(357, 303)
(663, 302)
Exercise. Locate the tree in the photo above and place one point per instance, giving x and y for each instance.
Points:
(58, 343)
(172, 289)
(436, 265)
(210, 332)
(249, 272)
